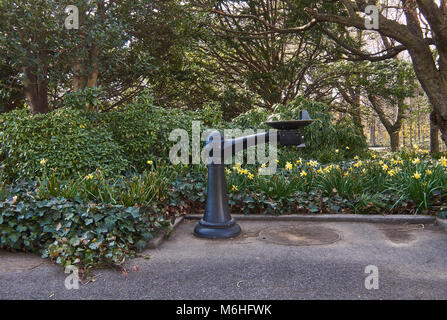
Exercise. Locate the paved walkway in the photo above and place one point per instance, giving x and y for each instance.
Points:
(411, 261)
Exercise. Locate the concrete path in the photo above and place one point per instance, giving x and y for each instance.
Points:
(411, 261)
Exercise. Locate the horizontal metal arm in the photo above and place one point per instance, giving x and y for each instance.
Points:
(229, 148)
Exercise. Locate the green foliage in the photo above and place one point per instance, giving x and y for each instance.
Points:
(66, 141)
(260, 67)
(325, 139)
(253, 119)
(149, 188)
(280, 185)
(334, 182)
(11, 95)
(211, 115)
(391, 79)
(142, 130)
(85, 99)
(76, 233)
(95, 220)
(324, 136)
(72, 141)
(371, 185)
(420, 182)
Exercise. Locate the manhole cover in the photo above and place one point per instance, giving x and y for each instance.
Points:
(300, 235)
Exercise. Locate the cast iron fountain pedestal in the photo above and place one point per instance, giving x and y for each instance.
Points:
(217, 222)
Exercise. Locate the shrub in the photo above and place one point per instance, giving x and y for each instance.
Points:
(71, 232)
(253, 119)
(66, 141)
(142, 130)
(88, 98)
(325, 139)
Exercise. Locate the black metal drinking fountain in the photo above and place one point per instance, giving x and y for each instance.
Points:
(217, 222)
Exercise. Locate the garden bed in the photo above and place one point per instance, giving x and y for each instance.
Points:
(98, 220)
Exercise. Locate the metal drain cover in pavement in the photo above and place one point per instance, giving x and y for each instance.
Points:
(300, 235)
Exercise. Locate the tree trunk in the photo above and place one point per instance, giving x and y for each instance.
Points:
(357, 120)
(434, 86)
(36, 91)
(93, 74)
(372, 133)
(434, 138)
(392, 128)
(79, 80)
(419, 125)
(440, 123)
(404, 141)
(394, 141)
(430, 71)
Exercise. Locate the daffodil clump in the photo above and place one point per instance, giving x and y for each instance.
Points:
(412, 177)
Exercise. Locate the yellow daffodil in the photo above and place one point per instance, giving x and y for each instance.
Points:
(89, 177)
(303, 173)
(416, 161)
(150, 162)
(251, 176)
(289, 166)
(443, 161)
(263, 165)
(358, 164)
(312, 163)
(299, 161)
(337, 151)
(43, 161)
(417, 175)
(227, 171)
(356, 158)
(391, 172)
(429, 172)
(347, 148)
(234, 188)
(385, 167)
